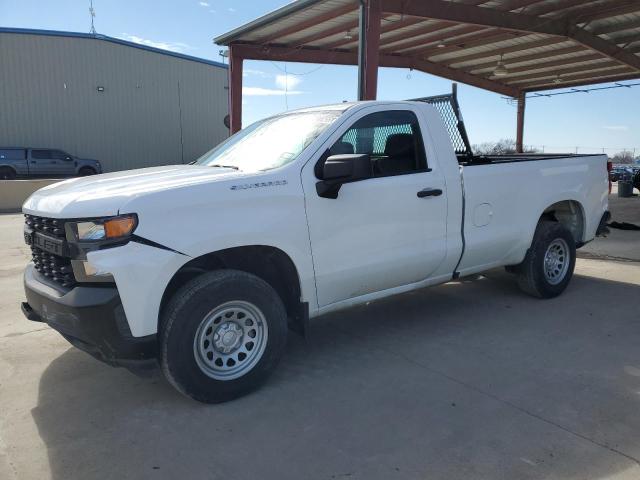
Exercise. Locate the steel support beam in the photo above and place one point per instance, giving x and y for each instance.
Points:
(591, 80)
(456, 12)
(520, 120)
(309, 55)
(235, 89)
(368, 49)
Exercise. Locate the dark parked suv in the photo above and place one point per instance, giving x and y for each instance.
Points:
(30, 162)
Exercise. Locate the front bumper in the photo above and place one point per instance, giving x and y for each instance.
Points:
(90, 318)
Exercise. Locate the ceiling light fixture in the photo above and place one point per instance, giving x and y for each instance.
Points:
(348, 35)
(441, 44)
(501, 69)
(557, 79)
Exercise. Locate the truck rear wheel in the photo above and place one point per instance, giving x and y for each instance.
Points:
(548, 266)
(221, 335)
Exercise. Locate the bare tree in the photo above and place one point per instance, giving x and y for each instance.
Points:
(623, 157)
(505, 146)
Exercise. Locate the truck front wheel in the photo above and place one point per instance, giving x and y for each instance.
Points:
(548, 266)
(221, 335)
(86, 171)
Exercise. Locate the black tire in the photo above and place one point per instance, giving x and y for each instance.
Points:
(190, 307)
(7, 173)
(532, 278)
(86, 171)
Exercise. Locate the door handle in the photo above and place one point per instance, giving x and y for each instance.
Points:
(429, 192)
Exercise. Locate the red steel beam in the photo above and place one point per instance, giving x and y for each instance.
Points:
(437, 9)
(510, 5)
(626, 38)
(568, 72)
(545, 8)
(590, 80)
(235, 89)
(597, 12)
(372, 18)
(341, 57)
(464, 77)
(472, 15)
(616, 27)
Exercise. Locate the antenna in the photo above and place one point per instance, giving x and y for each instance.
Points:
(92, 14)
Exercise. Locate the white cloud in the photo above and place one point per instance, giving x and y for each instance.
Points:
(172, 46)
(616, 128)
(267, 92)
(247, 72)
(231, 9)
(204, 4)
(288, 82)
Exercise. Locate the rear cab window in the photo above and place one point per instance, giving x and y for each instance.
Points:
(391, 138)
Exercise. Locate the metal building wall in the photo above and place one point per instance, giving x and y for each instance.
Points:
(155, 109)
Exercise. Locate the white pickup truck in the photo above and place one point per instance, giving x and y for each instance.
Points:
(205, 267)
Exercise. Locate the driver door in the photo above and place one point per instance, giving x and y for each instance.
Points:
(378, 233)
(64, 163)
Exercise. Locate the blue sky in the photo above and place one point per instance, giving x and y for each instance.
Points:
(607, 119)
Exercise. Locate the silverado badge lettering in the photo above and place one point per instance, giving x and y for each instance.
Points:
(259, 185)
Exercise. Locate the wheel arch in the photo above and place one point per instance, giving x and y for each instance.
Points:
(87, 167)
(269, 263)
(570, 214)
(9, 167)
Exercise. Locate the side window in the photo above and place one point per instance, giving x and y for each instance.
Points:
(58, 155)
(41, 154)
(392, 139)
(13, 154)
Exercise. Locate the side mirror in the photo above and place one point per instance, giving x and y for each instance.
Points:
(340, 169)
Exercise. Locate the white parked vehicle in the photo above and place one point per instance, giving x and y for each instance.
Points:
(205, 267)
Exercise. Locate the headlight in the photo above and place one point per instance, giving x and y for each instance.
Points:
(112, 228)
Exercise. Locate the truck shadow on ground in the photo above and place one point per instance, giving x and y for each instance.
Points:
(470, 379)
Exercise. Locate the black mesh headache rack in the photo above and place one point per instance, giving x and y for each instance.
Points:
(449, 109)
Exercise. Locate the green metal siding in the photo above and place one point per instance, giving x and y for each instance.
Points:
(155, 109)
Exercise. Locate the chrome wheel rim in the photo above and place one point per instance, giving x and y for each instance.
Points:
(230, 340)
(556, 261)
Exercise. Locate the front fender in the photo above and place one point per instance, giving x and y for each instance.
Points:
(141, 273)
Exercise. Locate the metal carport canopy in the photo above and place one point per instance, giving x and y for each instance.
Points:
(538, 44)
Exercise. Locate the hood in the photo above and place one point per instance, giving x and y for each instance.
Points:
(103, 195)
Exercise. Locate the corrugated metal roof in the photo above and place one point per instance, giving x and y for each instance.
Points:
(105, 38)
(603, 36)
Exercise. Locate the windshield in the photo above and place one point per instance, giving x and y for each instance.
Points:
(269, 143)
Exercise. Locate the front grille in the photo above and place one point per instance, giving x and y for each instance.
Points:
(54, 267)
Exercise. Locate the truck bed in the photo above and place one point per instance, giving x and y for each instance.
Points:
(466, 160)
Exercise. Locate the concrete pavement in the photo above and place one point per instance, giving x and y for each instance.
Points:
(471, 379)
